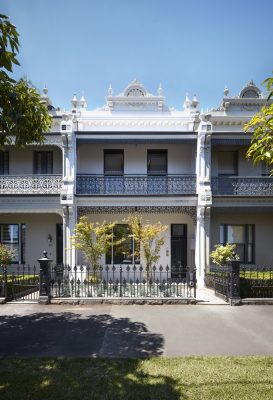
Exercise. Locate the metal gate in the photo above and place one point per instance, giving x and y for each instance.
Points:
(19, 283)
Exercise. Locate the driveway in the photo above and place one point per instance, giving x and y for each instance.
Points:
(135, 331)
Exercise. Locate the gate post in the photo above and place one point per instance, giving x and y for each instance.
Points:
(234, 297)
(44, 289)
(4, 285)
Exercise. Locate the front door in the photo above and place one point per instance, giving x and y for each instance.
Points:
(178, 250)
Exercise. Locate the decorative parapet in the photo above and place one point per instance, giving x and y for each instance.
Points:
(31, 184)
(136, 185)
(242, 186)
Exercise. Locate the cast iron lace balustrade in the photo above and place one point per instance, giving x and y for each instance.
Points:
(136, 184)
(31, 184)
(242, 186)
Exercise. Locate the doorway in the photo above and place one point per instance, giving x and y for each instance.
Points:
(178, 250)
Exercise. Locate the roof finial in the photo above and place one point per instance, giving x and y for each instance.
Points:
(226, 91)
(187, 101)
(160, 90)
(110, 90)
(45, 90)
(195, 101)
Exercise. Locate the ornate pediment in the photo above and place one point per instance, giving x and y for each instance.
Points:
(136, 97)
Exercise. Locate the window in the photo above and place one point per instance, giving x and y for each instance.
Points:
(113, 162)
(266, 169)
(123, 247)
(227, 163)
(43, 162)
(243, 237)
(4, 162)
(13, 236)
(157, 162)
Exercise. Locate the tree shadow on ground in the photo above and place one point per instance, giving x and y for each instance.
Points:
(59, 338)
(74, 335)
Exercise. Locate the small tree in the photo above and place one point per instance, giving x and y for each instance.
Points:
(222, 253)
(261, 127)
(93, 239)
(6, 255)
(148, 236)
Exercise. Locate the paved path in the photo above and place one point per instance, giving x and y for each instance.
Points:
(120, 331)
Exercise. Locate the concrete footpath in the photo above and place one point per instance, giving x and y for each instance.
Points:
(135, 331)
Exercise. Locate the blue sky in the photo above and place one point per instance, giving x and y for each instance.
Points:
(192, 46)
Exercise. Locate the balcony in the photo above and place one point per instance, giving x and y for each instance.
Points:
(242, 186)
(136, 185)
(31, 184)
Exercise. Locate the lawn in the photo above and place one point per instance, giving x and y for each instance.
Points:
(208, 378)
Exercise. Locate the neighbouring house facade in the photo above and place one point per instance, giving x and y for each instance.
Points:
(184, 168)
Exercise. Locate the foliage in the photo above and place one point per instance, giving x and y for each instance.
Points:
(6, 255)
(261, 126)
(148, 236)
(93, 239)
(23, 115)
(222, 253)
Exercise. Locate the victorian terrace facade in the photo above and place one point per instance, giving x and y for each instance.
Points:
(184, 168)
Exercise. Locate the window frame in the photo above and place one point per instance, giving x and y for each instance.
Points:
(21, 243)
(236, 163)
(247, 243)
(109, 152)
(35, 162)
(157, 151)
(4, 162)
(111, 251)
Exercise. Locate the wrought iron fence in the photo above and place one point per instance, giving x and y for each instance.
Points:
(122, 281)
(256, 283)
(242, 186)
(253, 281)
(20, 282)
(136, 184)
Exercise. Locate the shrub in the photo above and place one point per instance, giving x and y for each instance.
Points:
(6, 255)
(222, 253)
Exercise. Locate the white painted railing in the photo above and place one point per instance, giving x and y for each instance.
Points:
(31, 184)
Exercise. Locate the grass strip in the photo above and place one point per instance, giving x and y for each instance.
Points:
(202, 378)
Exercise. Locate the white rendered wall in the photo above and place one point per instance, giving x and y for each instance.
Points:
(181, 158)
(21, 160)
(263, 231)
(165, 219)
(245, 167)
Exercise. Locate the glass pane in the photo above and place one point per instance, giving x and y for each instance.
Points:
(23, 243)
(113, 163)
(249, 253)
(14, 247)
(222, 234)
(10, 233)
(43, 162)
(123, 251)
(236, 234)
(4, 162)
(178, 230)
(240, 250)
(157, 162)
(250, 233)
(227, 163)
